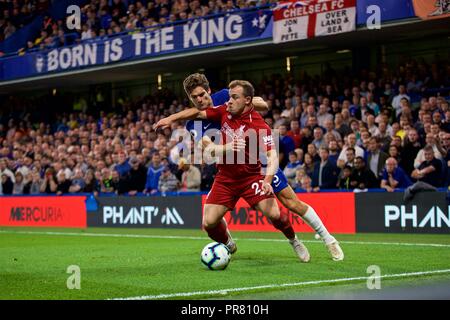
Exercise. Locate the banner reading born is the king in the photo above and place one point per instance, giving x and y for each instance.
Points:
(296, 20)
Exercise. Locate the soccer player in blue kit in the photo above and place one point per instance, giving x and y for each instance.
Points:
(197, 88)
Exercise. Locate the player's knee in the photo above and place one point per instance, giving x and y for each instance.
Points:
(296, 206)
(209, 223)
(273, 213)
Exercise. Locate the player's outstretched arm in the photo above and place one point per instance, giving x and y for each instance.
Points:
(188, 114)
(260, 104)
(272, 167)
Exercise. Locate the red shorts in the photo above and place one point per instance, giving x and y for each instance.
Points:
(228, 193)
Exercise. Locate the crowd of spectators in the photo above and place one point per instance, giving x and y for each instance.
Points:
(105, 18)
(14, 14)
(384, 129)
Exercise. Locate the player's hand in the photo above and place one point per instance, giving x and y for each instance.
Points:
(238, 144)
(266, 188)
(163, 123)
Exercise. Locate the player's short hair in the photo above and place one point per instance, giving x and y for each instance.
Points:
(249, 91)
(195, 80)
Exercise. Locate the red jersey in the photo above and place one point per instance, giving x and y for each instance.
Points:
(239, 126)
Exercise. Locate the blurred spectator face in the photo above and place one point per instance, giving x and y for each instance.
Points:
(282, 130)
(299, 175)
(329, 125)
(78, 174)
(413, 136)
(122, 157)
(391, 164)
(346, 172)
(395, 128)
(359, 163)
(373, 145)
(351, 140)
(312, 149)
(19, 177)
(306, 183)
(292, 157)
(402, 89)
(333, 146)
(350, 155)
(61, 177)
(294, 125)
(446, 140)
(437, 117)
(312, 121)
(36, 177)
(156, 160)
(135, 164)
(308, 159)
(299, 153)
(433, 102)
(2, 164)
(429, 155)
(323, 109)
(310, 109)
(435, 129)
(323, 153)
(106, 173)
(430, 139)
(363, 102)
(396, 141)
(318, 134)
(393, 151)
(345, 105)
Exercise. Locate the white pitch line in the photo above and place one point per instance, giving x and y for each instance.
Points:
(271, 286)
(147, 236)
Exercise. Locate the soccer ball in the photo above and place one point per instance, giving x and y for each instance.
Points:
(215, 256)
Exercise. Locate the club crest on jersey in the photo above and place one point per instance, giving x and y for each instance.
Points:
(233, 133)
(268, 140)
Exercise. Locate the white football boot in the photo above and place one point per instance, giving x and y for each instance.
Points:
(300, 249)
(335, 250)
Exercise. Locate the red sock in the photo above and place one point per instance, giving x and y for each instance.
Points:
(219, 232)
(284, 225)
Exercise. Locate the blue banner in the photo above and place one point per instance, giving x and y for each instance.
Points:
(196, 34)
(390, 10)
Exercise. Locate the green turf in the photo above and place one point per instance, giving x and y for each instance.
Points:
(33, 264)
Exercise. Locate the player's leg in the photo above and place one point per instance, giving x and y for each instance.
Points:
(218, 202)
(215, 225)
(290, 200)
(280, 220)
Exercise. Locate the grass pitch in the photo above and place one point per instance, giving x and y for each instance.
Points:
(165, 264)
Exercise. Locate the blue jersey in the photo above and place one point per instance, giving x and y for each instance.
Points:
(197, 128)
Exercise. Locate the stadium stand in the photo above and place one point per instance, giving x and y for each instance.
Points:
(395, 112)
(105, 18)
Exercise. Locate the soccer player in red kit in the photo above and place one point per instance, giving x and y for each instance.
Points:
(234, 180)
(197, 89)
